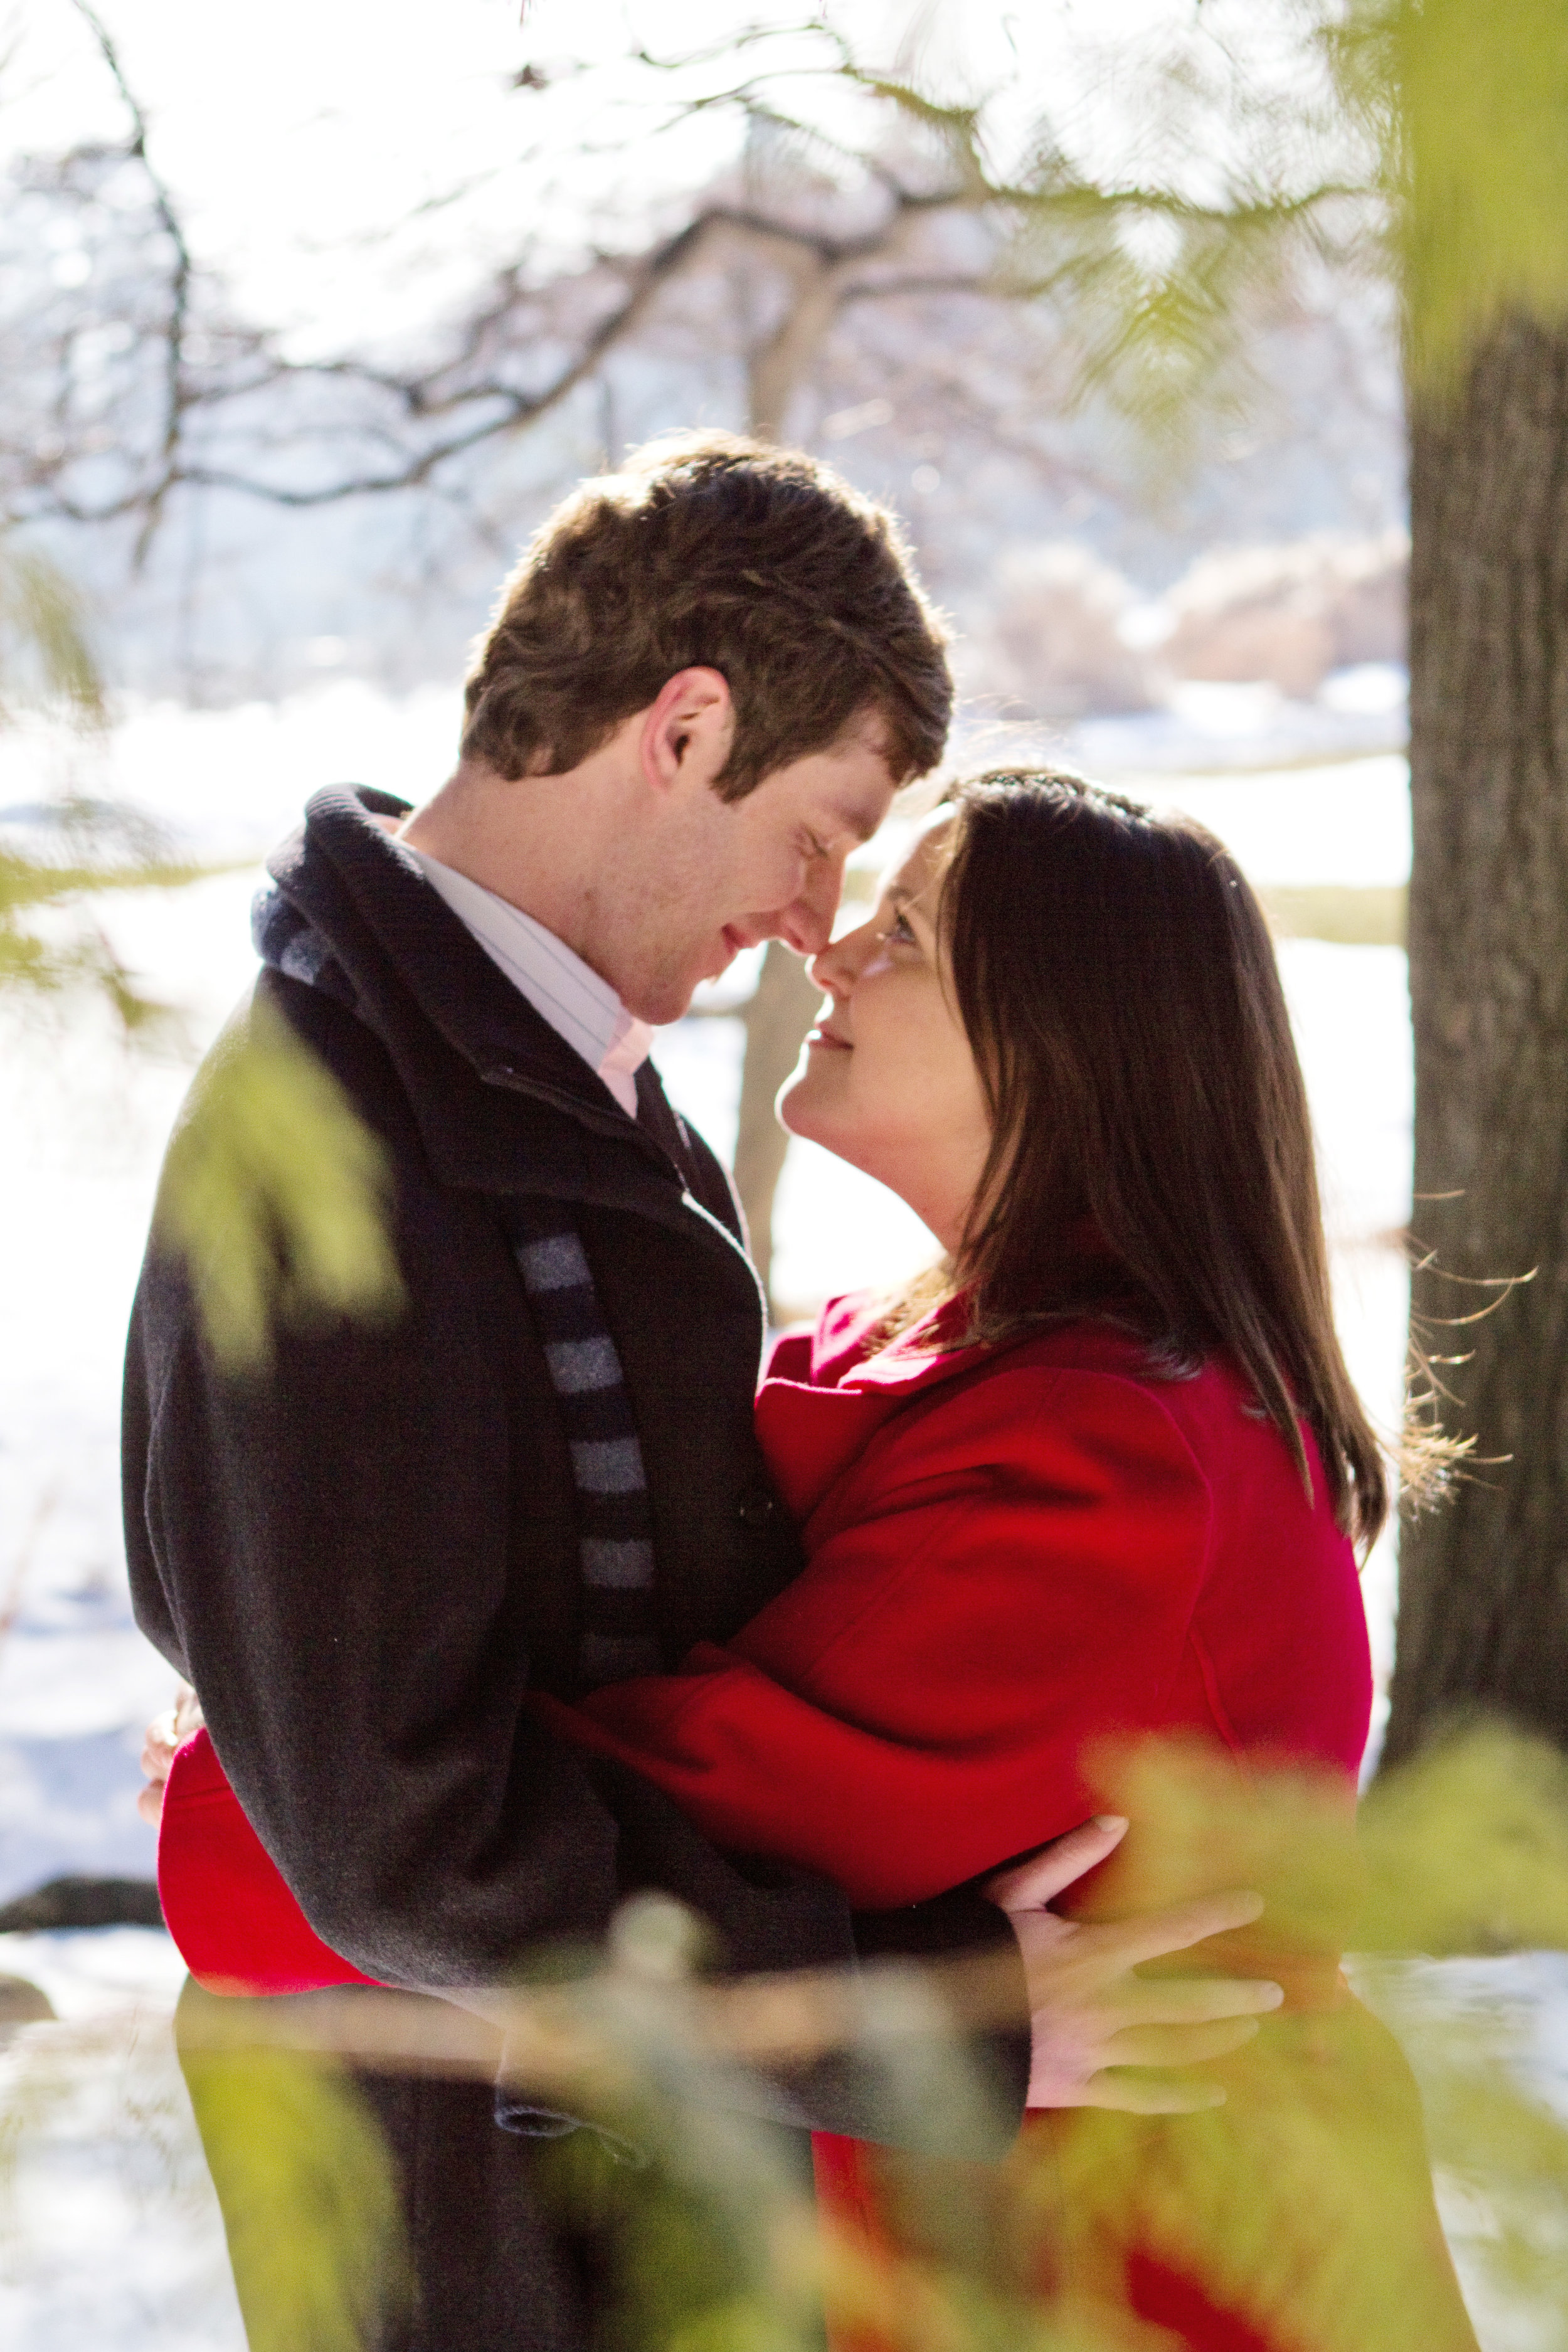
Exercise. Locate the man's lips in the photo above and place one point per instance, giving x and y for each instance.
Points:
(731, 943)
(738, 938)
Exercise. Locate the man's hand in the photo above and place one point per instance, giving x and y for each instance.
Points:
(1091, 2017)
(163, 1735)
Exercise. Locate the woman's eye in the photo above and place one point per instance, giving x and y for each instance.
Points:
(899, 929)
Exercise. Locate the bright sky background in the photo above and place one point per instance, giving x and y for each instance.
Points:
(297, 134)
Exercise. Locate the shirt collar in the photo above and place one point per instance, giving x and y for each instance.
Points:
(581, 1007)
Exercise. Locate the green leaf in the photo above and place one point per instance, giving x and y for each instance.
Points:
(274, 1194)
(1469, 101)
(311, 2209)
(46, 655)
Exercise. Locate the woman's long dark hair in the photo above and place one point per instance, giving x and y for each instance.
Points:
(1152, 1150)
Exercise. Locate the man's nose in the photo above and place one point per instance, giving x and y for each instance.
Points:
(806, 923)
(837, 967)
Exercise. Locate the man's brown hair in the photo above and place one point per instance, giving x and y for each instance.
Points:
(722, 554)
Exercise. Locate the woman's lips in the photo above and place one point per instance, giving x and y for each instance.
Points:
(826, 1037)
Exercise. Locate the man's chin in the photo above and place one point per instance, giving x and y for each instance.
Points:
(663, 1002)
(667, 996)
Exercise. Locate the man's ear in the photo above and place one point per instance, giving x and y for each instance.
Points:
(687, 732)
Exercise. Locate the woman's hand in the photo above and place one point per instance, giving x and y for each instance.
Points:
(1092, 2018)
(163, 1735)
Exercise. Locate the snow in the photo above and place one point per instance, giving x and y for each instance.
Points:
(110, 2231)
(85, 1124)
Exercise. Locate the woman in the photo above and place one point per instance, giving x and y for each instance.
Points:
(1099, 1477)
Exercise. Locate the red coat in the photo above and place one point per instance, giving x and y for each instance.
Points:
(1010, 1554)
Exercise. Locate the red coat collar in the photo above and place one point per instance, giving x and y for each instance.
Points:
(824, 1397)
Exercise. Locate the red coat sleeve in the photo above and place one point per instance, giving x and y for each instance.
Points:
(1010, 1577)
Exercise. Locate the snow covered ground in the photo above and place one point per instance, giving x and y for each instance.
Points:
(84, 1126)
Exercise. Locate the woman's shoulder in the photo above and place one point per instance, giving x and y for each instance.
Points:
(1090, 1376)
(1107, 1386)
(1077, 1401)
(1205, 1401)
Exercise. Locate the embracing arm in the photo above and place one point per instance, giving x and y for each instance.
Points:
(1015, 1579)
(915, 1708)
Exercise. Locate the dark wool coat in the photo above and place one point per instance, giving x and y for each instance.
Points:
(364, 1554)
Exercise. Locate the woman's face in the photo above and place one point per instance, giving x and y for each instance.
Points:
(887, 1079)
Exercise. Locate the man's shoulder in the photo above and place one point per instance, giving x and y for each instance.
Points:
(268, 1060)
(339, 1042)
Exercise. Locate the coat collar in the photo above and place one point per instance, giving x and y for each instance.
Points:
(405, 953)
(813, 1427)
(844, 1357)
(470, 1052)
(825, 1397)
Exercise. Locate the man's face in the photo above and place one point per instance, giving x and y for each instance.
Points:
(709, 877)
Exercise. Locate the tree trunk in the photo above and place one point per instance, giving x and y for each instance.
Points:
(1483, 1613)
(776, 1019)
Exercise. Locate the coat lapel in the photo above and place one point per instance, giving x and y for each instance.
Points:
(811, 1434)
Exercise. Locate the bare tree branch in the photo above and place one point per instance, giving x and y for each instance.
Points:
(156, 499)
(891, 233)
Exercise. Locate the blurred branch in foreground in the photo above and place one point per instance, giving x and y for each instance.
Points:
(274, 1195)
(273, 1191)
(1303, 2204)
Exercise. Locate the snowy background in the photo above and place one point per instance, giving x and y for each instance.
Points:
(85, 1123)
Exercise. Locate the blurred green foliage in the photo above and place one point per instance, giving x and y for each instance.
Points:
(45, 650)
(310, 2198)
(1468, 102)
(66, 949)
(1423, 141)
(274, 1193)
(1305, 2204)
(1467, 1852)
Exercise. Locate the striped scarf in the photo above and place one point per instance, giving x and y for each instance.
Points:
(614, 1527)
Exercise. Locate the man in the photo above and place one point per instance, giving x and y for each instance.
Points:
(705, 680)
